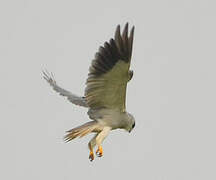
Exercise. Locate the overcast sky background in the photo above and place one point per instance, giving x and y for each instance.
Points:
(172, 94)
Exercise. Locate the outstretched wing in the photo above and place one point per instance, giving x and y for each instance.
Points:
(71, 97)
(109, 72)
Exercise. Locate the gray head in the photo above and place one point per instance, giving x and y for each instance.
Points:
(130, 123)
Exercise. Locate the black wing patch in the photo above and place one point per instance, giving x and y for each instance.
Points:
(113, 51)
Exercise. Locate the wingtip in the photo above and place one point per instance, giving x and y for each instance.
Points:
(49, 77)
(117, 32)
(132, 29)
(126, 25)
(132, 33)
(125, 31)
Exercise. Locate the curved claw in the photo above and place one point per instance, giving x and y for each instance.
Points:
(99, 151)
(91, 156)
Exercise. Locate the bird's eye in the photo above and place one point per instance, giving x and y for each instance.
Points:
(133, 125)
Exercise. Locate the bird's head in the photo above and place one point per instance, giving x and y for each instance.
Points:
(131, 122)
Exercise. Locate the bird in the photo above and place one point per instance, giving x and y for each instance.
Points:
(105, 92)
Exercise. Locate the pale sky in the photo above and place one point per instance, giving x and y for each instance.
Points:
(172, 94)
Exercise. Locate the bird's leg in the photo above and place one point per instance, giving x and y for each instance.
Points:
(91, 145)
(99, 139)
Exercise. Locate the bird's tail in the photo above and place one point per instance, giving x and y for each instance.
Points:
(81, 131)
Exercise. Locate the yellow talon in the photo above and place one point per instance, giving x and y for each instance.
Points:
(91, 156)
(99, 151)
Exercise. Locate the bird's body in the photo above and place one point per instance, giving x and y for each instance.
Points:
(112, 118)
(105, 93)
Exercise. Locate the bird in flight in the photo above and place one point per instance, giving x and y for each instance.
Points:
(105, 92)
